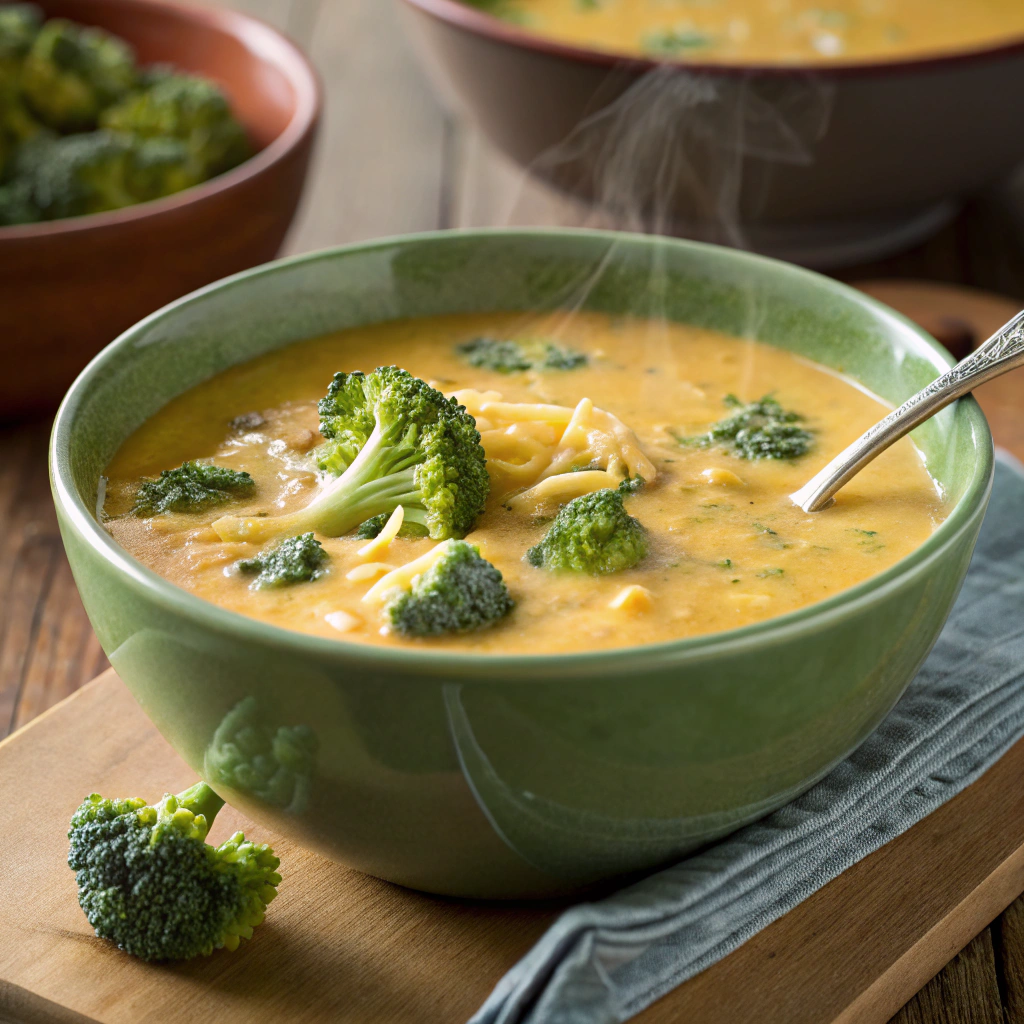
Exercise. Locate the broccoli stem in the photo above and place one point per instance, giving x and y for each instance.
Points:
(200, 799)
(381, 477)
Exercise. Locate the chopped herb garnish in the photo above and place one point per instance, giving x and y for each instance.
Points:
(770, 572)
(868, 543)
(673, 42)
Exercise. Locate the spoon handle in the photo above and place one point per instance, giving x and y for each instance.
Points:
(1002, 352)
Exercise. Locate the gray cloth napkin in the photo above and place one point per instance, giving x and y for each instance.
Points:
(605, 961)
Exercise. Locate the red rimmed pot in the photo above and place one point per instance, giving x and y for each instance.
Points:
(69, 287)
(822, 164)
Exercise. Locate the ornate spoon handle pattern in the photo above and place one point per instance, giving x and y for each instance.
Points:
(1002, 352)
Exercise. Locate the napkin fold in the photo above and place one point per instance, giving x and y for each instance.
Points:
(605, 961)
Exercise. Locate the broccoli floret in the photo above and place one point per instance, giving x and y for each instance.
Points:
(19, 25)
(160, 167)
(150, 74)
(594, 534)
(148, 881)
(275, 766)
(372, 527)
(17, 205)
(506, 356)
(16, 123)
(492, 354)
(459, 593)
(76, 175)
(756, 430)
(295, 560)
(347, 420)
(72, 73)
(192, 487)
(416, 448)
(557, 357)
(192, 110)
(632, 485)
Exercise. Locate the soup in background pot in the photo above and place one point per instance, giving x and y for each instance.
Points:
(770, 31)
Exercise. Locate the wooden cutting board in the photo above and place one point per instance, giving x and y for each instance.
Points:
(342, 947)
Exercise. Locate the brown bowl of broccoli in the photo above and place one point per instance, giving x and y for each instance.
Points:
(146, 148)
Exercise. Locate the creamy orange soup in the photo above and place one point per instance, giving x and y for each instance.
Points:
(770, 31)
(727, 546)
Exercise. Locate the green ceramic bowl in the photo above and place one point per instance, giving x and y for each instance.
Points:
(527, 775)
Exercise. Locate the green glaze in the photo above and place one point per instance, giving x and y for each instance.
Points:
(526, 775)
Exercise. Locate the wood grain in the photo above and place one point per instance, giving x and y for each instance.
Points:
(1009, 932)
(337, 945)
(47, 647)
(341, 946)
(855, 951)
(966, 991)
(380, 165)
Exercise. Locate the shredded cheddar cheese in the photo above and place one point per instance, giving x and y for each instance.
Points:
(551, 453)
(367, 571)
(404, 574)
(557, 490)
(385, 537)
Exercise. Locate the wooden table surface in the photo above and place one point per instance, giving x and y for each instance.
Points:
(392, 161)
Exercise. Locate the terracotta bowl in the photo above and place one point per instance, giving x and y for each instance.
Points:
(823, 165)
(69, 287)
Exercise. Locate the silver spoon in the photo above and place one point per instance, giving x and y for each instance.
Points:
(1002, 352)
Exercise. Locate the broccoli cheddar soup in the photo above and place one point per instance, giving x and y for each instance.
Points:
(497, 484)
(770, 31)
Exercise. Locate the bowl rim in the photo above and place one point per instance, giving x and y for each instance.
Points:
(489, 26)
(275, 48)
(466, 665)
